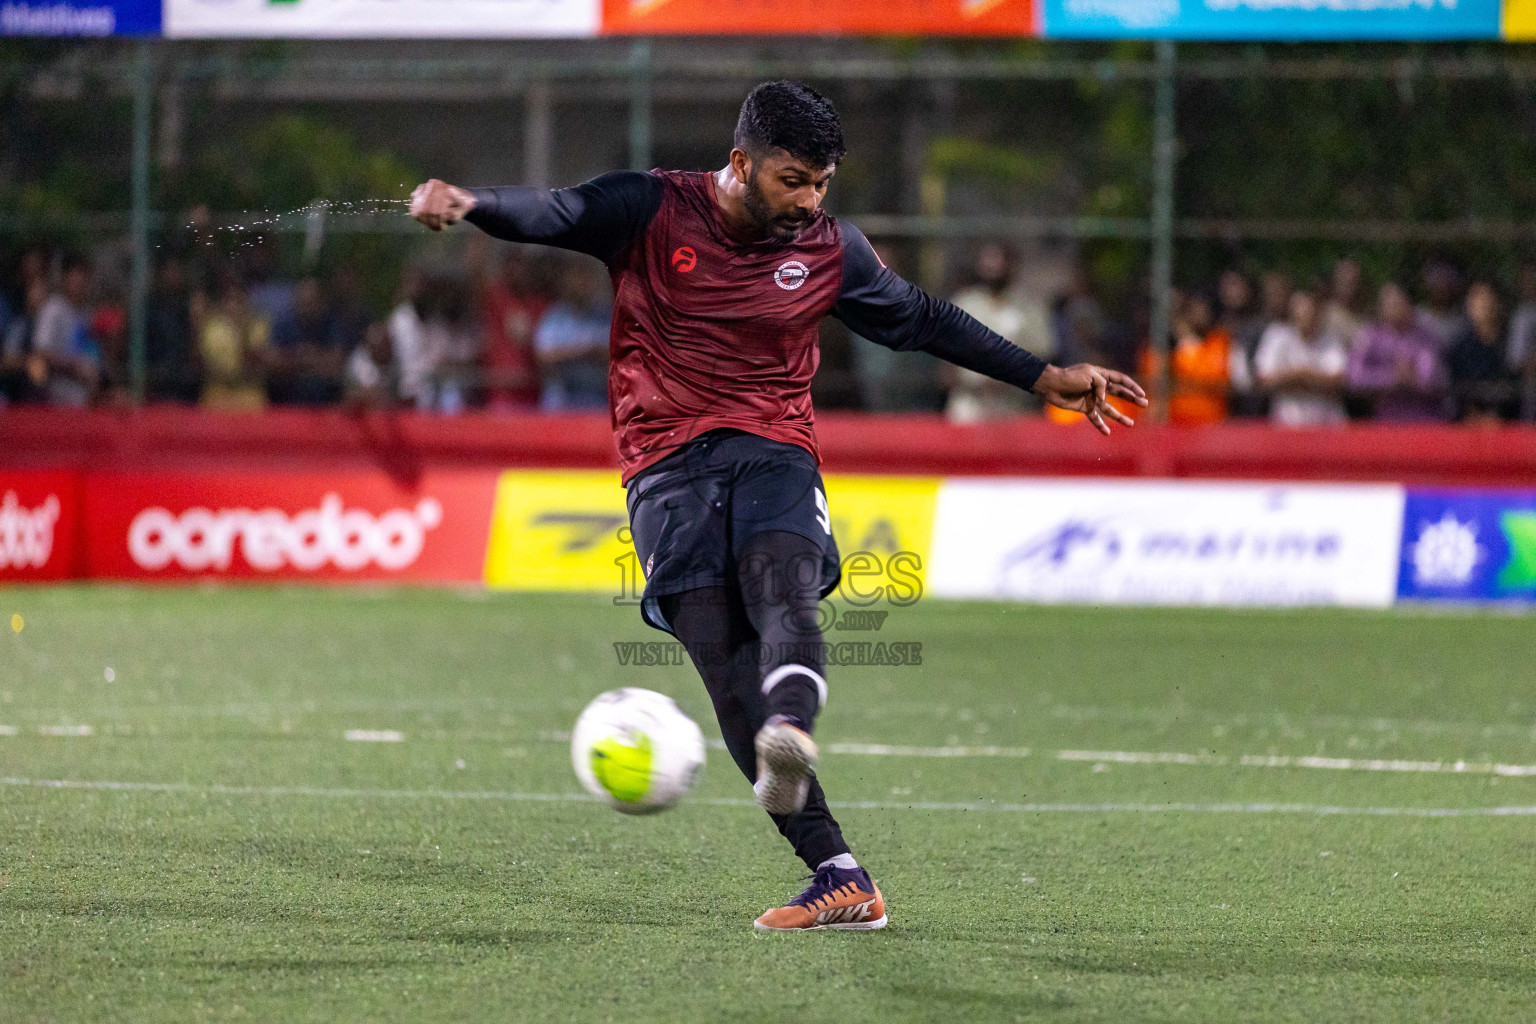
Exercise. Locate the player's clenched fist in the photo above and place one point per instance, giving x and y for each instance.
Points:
(438, 204)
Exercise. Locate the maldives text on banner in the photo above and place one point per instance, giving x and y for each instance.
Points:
(79, 18)
(1469, 546)
(1271, 19)
(341, 19)
(1167, 543)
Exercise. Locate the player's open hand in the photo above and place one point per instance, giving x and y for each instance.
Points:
(1086, 388)
(438, 204)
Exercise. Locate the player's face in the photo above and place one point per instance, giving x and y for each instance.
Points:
(783, 193)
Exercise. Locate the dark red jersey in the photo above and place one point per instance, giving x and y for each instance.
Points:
(714, 330)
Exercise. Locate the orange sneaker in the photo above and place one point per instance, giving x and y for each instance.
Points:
(844, 898)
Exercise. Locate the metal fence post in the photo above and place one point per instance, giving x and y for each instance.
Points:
(1164, 159)
(640, 105)
(139, 225)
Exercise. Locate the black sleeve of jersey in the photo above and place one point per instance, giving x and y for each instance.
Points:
(878, 305)
(601, 218)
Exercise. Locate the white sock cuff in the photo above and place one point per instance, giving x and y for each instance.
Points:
(783, 672)
(842, 860)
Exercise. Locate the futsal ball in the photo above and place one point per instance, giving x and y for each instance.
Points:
(636, 750)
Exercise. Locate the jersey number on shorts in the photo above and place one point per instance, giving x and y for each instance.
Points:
(823, 514)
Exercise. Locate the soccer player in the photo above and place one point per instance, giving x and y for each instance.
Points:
(720, 281)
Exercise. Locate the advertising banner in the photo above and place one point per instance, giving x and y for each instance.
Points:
(79, 17)
(816, 17)
(569, 530)
(382, 19)
(1165, 543)
(1519, 20)
(1271, 19)
(1469, 546)
(321, 527)
(40, 519)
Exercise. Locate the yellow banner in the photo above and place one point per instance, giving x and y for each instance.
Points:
(569, 530)
(1519, 20)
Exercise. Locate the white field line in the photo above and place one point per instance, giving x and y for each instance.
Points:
(8, 730)
(1351, 764)
(889, 750)
(861, 805)
(374, 736)
(65, 730)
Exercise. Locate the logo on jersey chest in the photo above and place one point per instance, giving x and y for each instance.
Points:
(791, 275)
(684, 259)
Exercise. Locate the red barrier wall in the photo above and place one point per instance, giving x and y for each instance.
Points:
(405, 445)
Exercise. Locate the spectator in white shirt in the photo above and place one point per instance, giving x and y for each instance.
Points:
(999, 305)
(1302, 366)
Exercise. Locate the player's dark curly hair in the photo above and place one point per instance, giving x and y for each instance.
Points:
(791, 117)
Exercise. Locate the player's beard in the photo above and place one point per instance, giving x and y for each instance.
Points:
(784, 228)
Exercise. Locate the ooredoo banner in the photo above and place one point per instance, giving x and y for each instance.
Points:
(39, 526)
(341, 19)
(325, 527)
(1469, 546)
(1167, 543)
(821, 17)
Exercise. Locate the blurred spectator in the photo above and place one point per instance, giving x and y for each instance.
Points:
(1396, 364)
(1301, 364)
(415, 363)
(304, 360)
(272, 296)
(510, 308)
(449, 336)
(233, 340)
(996, 301)
(350, 316)
(373, 377)
(1078, 322)
(1200, 366)
(1441, 314)
(23, 373)
(1483, 386)
(571, 344)
(1345, 313)
(1245, 326)
(61, 336)
(108, 327)
(1521, 356)
(171, 359)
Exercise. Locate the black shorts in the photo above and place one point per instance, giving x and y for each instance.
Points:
(693, 512)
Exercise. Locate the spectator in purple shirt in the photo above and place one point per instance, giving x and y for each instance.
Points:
(1397, 365)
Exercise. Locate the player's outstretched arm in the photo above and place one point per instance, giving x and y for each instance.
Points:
(1086, 388)
(602, 217)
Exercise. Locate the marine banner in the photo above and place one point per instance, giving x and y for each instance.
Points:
(1167, 543)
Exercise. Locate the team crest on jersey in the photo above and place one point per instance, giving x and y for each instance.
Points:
(791, 275)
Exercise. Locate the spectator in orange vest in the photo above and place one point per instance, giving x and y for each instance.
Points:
(1200, 373)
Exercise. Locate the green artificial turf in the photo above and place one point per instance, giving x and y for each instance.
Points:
(235, 857)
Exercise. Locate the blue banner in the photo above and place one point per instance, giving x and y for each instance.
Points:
(1469, 546)
(1271, 19)
(79, 18)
